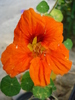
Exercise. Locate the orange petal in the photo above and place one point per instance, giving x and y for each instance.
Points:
(52, 65)
(34, 71)
(31, 24)
(46, 29)
(15, 59)
(53, 35)
(47, 71)
(40, 72)
(59, 60)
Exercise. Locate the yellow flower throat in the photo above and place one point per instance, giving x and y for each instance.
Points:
(36, 47)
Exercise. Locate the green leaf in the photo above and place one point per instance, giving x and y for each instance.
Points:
(51, 85)
(10, 86)
(74, 28)
(42, 7)
(57, 15)
(42, 92)
(26, 82)
(61, 2)
(74, 31)
(68, 43)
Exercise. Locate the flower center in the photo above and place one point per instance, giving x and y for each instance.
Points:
(36, 47)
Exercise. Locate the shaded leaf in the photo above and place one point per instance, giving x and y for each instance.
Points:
(51, 85)
(42, 7)
(26, 82)
(57, 15)
(68, 43)
(61, 2)
(10, 86)
(42, 92)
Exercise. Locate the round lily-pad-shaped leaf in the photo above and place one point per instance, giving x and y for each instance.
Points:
(42, 92)
(26, 82)
(57, 15)
(42, 7)
(10, 86)
(68, 43)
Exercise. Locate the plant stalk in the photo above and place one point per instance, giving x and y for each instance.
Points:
(54, 6)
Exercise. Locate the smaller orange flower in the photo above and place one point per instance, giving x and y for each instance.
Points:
(37, 47)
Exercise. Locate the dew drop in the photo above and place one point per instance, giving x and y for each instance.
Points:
(16, 46)
(58, 44)
(49, 64)
(44, 54)
(66, 58)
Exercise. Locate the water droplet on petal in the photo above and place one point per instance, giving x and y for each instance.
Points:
(44, 54)
(66, 58)
(58, 44)
(49, 64)
(17, 47)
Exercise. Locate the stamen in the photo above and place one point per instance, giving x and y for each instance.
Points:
(34, 41)
(36, 47)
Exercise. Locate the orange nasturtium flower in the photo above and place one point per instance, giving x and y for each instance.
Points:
(37, 47)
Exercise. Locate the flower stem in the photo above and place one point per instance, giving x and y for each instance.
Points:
(54, 6)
